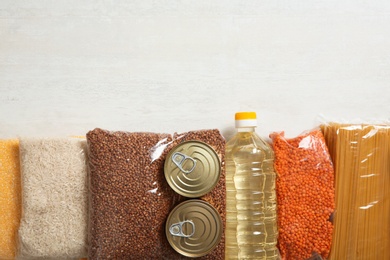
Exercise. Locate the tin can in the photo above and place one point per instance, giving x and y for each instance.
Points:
(192, 169)
(194, 228)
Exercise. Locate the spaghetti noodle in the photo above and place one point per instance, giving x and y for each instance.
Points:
(362, 172)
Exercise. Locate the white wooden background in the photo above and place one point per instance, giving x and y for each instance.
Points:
(69, 66)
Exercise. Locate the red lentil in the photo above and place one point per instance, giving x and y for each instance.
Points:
(305, 195)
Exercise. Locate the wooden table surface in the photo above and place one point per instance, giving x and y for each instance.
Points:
(67, 67)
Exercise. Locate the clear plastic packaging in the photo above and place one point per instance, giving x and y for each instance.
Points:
(305, 192)
(130, 199)
(360, 153)
(54, 199)
(251, 225)
(10, 198)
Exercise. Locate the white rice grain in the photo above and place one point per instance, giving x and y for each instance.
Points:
(54, 199)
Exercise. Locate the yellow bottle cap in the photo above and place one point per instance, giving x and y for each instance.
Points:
(246, 119)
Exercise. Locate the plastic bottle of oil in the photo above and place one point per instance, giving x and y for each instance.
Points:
(251, 224)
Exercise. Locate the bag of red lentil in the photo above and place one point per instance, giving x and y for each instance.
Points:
(130, 198)
(305, 195)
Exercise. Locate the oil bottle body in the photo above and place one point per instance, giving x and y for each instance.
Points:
(251, 224)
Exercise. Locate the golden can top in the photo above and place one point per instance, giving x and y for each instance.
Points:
(194, 228)
(192, 169)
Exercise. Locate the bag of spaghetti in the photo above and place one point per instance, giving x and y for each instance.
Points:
(305, 195)
(361, 155)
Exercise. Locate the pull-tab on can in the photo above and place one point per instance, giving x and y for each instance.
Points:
(177, 229)
(194, 228)
(179, 159)
(192, 169)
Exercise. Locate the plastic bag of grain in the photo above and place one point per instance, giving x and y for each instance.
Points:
(54, 199)
(130, 199)
(9, 197)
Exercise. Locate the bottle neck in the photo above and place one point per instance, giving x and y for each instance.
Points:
(245, 129)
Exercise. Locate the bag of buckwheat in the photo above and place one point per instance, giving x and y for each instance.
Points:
(130, 199)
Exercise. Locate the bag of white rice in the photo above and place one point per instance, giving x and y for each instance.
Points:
(54, 199)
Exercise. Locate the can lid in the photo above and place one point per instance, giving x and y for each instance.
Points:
(192, 169)
(194, 228)
(246, 119)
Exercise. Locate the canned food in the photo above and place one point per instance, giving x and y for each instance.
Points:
(192, 169)
(194, 228)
